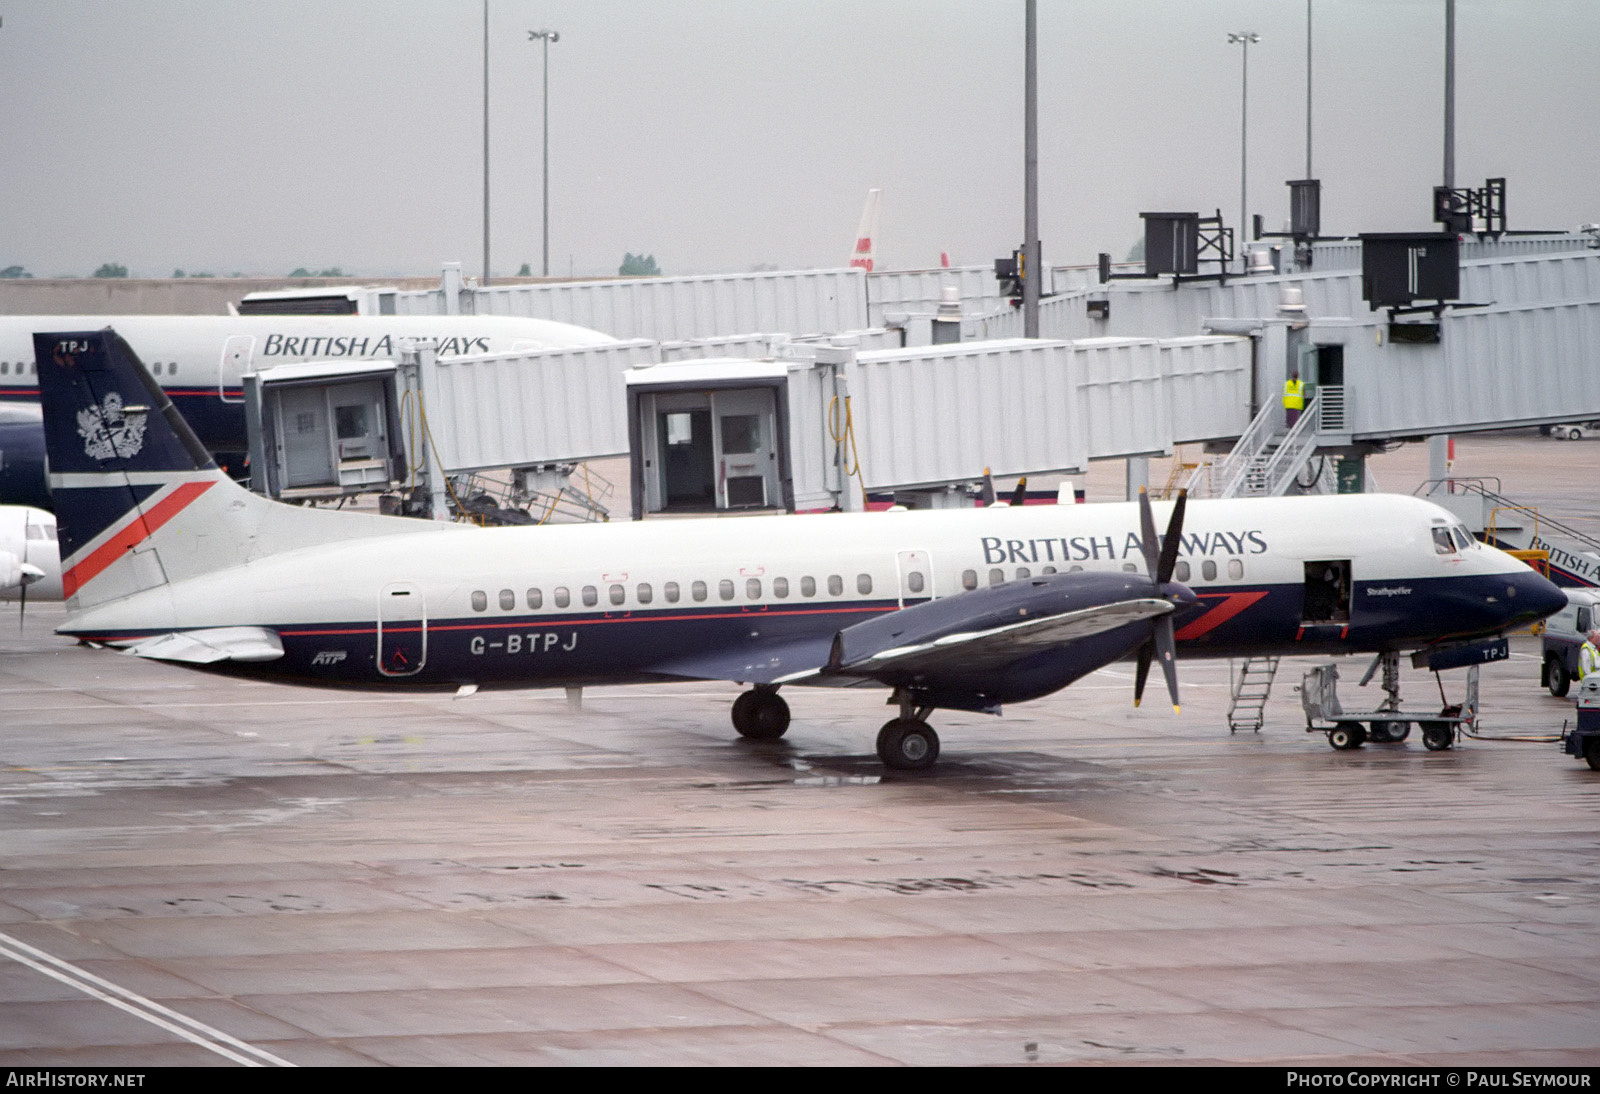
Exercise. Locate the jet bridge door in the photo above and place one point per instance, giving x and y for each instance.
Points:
(402, 629)
(747, 468)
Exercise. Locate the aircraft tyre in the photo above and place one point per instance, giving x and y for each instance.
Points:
(907, 744)
(1347, 736)
(1560, 679)
(1389, 733)
(1591, 753)
(1437, 736)
(761, 715)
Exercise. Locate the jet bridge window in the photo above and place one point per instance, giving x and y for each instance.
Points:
(1327, 592)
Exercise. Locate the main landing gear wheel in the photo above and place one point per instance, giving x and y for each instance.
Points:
(1560, 679)
(1347, 736)
(907, 744)
(761, 714)
(1388, 733)
(1437, 736)
(1591, 753)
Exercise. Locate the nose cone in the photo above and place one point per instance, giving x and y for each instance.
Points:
(1531, 597)
(1183, 597)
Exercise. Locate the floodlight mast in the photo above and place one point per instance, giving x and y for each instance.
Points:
(1243, 38)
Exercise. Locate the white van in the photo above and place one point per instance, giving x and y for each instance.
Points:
(1563, 637)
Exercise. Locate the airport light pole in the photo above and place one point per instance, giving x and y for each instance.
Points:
(1243, 38)
(546, 36)
(486, 142)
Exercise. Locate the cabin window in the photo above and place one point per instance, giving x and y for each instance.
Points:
(508, 600)
(172, 368)
(1048, 570)
(725, 589)
(617, 594)
(863, 584)
(698, 590)
(535, 599)
(563, 598)
(1074, 569)
(914, 581)
(969, 579)
(1441, 542)
(1235, 569)
(1181, 570)
(752, 588)
(996, 576)
(591, 596)
(1208, 569)
(835, 585)
(1023, 572)
(780, 587)
(670, 592)
(480, 600)
(1129, 567)
(808, 586)
(645, 593)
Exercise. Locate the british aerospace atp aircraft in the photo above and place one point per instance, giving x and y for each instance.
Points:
(164, 557)
(199, 360)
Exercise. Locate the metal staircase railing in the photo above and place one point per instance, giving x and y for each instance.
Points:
(1251, 687)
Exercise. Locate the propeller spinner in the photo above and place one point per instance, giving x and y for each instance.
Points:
(1159, 565)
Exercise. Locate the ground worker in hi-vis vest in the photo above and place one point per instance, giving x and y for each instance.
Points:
(1589, 656)
(1294, 397)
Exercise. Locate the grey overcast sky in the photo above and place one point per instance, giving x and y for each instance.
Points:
(225, 135)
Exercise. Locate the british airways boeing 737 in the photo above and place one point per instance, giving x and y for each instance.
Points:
(164, 557)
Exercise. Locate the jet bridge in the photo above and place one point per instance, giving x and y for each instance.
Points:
(819, 426)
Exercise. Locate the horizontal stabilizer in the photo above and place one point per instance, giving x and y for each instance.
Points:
(205, 647)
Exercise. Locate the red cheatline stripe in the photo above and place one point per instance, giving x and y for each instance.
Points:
(141, 528)
(1232, 604)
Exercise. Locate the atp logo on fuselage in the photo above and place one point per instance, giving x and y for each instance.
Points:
(328, 657)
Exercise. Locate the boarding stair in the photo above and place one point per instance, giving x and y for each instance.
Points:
(1251, 686)
(577, 494)
(1269, 460)
(1565, 554)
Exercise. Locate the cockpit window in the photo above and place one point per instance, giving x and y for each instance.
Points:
(1463, 537)
(1441, 542)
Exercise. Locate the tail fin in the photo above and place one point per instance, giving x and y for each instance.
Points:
(865, 254)
(139, 501)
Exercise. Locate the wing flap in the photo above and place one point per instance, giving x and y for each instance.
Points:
(210, 645)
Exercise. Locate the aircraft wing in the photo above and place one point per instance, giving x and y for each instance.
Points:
(998, 647)
(205, 647)
(758, 665)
